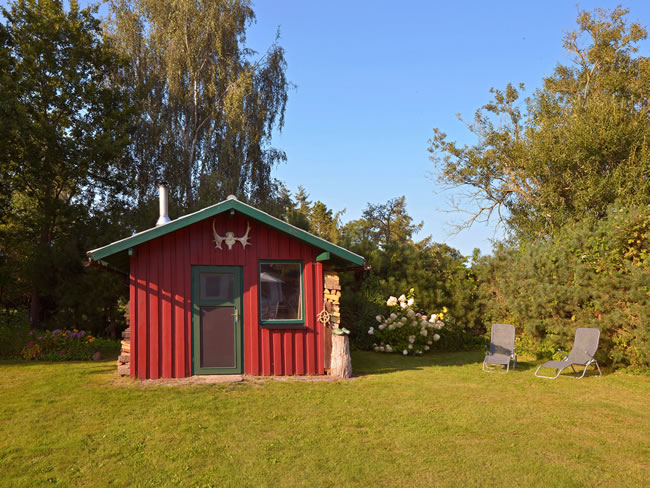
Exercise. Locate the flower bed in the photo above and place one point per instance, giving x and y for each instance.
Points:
(60, 345)
(404, 330)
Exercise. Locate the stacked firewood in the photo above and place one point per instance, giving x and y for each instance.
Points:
(332, 298)
(123, 368)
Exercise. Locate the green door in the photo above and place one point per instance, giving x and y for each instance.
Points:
(217, 320)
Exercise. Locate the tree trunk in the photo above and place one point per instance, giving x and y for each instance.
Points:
(341, 361)
(35, 308)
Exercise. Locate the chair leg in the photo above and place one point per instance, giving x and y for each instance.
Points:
(600, 374)
(557, 371)
(584, 371)
(493, 369)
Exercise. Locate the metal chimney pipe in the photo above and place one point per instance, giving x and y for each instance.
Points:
(163, 197)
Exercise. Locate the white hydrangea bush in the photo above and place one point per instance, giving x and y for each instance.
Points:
(405, 331)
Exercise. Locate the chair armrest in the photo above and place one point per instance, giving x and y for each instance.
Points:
(562, 352)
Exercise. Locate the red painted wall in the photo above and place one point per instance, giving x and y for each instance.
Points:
(161, 314)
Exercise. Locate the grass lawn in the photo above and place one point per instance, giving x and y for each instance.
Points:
(430, 421)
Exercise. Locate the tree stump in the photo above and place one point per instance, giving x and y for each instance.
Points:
(341, 361)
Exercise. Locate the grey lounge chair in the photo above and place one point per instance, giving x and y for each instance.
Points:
(501, 349)
(582, 354)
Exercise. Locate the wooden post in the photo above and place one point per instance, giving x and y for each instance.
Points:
(341, 361)
(338, 360)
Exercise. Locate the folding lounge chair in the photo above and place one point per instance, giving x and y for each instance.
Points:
(501, 349)
(582, 354)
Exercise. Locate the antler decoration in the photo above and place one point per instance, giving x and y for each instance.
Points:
(230, 238)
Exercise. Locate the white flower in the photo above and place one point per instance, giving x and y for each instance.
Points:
(405, 352)
(391, 302)
(411, 339)
(411, 302)
(381, 326)
(426, 348)
(429, 342)
(418, 352)
(439, 324)
(391, 327)
(371, 330)
(424, 323)
(393, 315)
(403, 305)
(388, 348)
(410, 346)
(410, 314)
(381, 348)
(402, 298)
(376, 348)
(436, 337)
(433, 318)
(424, 332)
(379, 318)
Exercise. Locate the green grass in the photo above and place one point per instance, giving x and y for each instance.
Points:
(431, 421)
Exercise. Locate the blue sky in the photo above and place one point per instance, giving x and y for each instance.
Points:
(375, 77)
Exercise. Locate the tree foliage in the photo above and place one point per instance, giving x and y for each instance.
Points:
(594, 273)
(208, 103)
(575, 147)
(65, 127)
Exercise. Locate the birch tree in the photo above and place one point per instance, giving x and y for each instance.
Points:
(209, 104)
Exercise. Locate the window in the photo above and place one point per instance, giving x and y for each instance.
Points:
(281, 293)
(216, 286)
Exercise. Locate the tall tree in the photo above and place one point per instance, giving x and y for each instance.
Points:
(390, 222)
(575, 147)
(209, 103)
(67, 127)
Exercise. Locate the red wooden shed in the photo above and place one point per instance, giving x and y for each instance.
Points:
(226, 290)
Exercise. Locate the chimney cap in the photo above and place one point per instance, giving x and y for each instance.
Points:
(231, 197)
(162, 182)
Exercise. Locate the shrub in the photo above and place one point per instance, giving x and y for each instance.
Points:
(594, 273)
(14, 330)
(404, 330)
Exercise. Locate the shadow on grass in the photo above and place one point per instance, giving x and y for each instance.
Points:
(373, 363)
(367, 362)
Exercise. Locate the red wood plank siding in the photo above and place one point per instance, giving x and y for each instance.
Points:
(142, 351)
(165, 324)
(154, 332)
(133, 321)
(180, 266)
(320, 332)
(161, 308)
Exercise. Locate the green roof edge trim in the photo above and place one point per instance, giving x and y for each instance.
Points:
(230, 204)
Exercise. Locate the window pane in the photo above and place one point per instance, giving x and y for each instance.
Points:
(280, 291)
(217, 286)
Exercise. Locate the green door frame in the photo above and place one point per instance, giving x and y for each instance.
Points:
(236, 272)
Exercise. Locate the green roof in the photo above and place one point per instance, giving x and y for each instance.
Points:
(116, 253)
